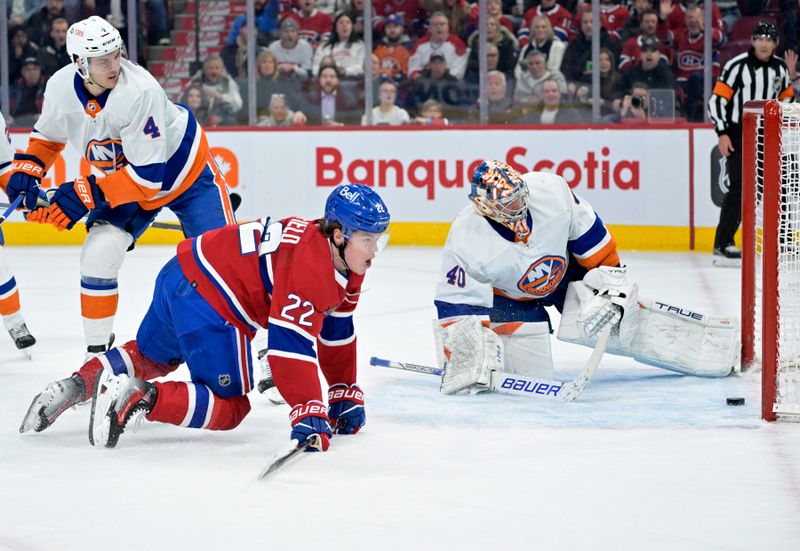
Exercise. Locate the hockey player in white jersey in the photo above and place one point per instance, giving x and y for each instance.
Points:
(9, 294)
(146, 152)
(526, 242)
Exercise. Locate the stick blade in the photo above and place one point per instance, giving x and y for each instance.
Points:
(285, 455)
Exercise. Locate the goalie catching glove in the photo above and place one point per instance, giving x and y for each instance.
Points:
(311, 419)
(346, 408)
(606, 298)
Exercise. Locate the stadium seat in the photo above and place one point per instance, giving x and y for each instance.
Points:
(732, 49)
(743, 27)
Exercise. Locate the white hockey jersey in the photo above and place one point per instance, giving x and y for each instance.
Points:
(6, 153)
(482, 258)
(149, 148)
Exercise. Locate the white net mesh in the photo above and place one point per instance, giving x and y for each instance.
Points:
(787, 400)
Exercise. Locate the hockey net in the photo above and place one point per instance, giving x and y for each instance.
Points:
(771, 254)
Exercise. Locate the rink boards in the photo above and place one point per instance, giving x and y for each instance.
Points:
(651, 185)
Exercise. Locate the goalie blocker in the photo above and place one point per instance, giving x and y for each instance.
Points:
(663, 335)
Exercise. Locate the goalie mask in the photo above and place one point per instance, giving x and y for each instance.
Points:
(92, 37)
(500, 193)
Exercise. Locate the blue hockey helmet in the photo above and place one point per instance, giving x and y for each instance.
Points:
(357, 207)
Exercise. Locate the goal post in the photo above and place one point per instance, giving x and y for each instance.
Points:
(771, 253)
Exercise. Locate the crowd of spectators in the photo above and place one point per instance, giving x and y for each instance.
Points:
(311, 58)
(37, 38)
(539, 60)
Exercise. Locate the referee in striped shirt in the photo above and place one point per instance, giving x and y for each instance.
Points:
(754, 75)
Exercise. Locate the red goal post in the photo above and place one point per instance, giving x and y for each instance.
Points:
(771, 253)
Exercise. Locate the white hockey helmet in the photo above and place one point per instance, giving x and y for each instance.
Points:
(91, 37)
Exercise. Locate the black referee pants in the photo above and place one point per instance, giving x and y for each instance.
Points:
(730, 215)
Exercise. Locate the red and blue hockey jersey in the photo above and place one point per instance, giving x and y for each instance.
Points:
(279, 274)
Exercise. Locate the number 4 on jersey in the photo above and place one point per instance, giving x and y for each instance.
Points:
(150, 128)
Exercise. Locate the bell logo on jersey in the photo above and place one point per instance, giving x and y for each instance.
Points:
(543, 276)
(107, 155)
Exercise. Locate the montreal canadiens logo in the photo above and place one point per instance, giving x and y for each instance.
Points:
(543, 276)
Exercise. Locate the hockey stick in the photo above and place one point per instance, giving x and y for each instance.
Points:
(405, 366)
(512, 383)
(287, 453)
(10, 208)
(236, 200)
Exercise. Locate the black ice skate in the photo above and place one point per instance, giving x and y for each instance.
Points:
(54, 400)
(125, 400)
(95, 350)
(21, 336)
(727, 257)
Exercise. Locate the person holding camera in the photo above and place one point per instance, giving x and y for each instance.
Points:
(633, 107)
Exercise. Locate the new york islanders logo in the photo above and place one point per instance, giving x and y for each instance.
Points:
(543, 276)
(107, 155)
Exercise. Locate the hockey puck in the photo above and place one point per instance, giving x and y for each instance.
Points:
(735, 401)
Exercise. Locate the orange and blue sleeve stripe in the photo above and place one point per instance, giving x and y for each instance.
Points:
(45, 150)
(595, 247)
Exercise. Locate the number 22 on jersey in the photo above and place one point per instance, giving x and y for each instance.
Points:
(271, 234)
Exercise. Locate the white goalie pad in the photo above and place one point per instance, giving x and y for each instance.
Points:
(665, 335)
(526, 348)
(469, 353)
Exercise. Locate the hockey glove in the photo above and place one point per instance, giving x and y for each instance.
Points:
(346, 408)
(311, 419)
(73, 200)
(26, 177)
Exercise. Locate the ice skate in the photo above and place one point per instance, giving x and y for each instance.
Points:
(126, 400)
(22, 337)
(54, 400)
(266, 385)
(727, 257)
(96, 350)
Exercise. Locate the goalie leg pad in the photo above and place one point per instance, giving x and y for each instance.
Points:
(685, 341)
(471, 352)
(667, 336)
(526, 348)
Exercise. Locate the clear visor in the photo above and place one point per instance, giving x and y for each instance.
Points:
(372, 242)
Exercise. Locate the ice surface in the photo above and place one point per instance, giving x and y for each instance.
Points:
(645, 459)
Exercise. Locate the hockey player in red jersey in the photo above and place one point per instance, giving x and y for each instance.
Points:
(300, 278)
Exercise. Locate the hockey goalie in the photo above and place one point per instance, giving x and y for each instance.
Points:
(526, 242)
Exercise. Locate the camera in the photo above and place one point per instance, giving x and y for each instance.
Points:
(640, 102)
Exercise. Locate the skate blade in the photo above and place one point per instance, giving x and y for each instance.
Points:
(101, 402)
(722, 262)
(31, 419)
(274, 396)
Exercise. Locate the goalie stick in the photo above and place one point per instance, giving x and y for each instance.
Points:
(522, 385)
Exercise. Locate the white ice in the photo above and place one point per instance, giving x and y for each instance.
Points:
(645, 459)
